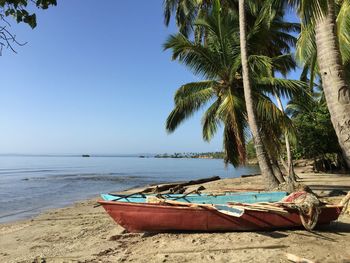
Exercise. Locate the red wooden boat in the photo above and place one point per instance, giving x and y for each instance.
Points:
(149, 217)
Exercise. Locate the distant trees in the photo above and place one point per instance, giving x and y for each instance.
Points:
(204, 155)
(18, 10)
(315, 133)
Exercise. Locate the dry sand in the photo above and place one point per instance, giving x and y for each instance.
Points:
(81, 233)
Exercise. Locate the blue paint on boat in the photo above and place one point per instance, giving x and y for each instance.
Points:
(243, 197)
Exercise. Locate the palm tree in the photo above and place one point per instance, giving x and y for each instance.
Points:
(319, 17)
(219, 62)
(274, 39)
(264, 162)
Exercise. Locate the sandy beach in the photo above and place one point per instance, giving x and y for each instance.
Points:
(82, 233)
(179, 97)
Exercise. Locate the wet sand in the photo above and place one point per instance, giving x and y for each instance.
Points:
(82, 233)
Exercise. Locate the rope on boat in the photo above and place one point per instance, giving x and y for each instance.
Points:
(165, 196)
(307, 205)
(121, 196)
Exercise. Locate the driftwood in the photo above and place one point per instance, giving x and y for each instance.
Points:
(177, 186)
(297, 259)
(249, 175)
(253, 189)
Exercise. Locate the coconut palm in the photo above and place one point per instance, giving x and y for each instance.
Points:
(219, 62)
(275, 39)
(264, 163)
(319, 19)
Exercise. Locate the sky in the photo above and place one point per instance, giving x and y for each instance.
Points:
(93, 78)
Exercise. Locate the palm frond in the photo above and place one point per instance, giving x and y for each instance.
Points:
(211, 121)
(282, 87)
(269, 114)
(310, 10)
(188, 99)
(306, 44)
(201, 60)
(343, 27)
(195, 91)
(284, 63)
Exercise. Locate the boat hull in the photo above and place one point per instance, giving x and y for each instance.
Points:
(136, 217)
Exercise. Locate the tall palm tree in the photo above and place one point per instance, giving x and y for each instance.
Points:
(264, 162)
(319, 17)
(275, 39)
(219, 62)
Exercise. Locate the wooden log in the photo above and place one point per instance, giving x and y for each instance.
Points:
(249, 175)
(165, 187)
(255, 189)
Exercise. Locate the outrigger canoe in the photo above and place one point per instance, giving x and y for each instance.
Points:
(171, 215)
(202, 198)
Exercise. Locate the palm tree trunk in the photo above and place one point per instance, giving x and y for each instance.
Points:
(283, 162)
(290, 167)
(277, 171)
(264, 162)
(335, 88)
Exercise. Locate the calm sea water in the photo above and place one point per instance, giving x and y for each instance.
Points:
(30, 185)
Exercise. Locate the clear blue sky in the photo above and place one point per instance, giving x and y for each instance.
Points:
(93, 79)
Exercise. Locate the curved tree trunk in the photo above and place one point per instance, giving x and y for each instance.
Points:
(335, 88)
(264, 162)
(290, 167)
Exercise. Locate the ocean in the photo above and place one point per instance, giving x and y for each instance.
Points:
(32, 184)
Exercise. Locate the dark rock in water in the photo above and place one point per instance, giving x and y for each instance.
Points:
(25, 179)
(85, 155)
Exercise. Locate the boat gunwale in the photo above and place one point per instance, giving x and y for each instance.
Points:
(157, 205)
(194, 206)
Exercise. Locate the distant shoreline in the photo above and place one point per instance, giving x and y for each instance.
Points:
(69, 155)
